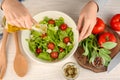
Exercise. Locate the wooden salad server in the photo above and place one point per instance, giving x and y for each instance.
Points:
(3, 59)
(20, 62)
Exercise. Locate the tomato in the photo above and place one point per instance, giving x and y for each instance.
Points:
(99, 26)
(61, 49)
(63, 26)
(106, 37)
(54, 55)
(66, 40)
(51, 21)
(38, 50)
(51, 45)
(44, 35)
(115, 22)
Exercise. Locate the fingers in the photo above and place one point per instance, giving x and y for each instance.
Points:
(80, 22)
(29, 21)
(88, 32)
(25, 22)
(14, 23)
(2, 72)
(84, 30)
(34, 21)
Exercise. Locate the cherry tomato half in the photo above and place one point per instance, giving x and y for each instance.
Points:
(54, 55)
(51, 45)
(51, 21)
(66, 40)
(63, 26)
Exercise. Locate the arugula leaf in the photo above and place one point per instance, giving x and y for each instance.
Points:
(32, 46)
(94, 55)
(61, 55)
(44, 56)
(59, 21)
(46, 19)
(62, 45)
(86, 52)
(62, 34)
(104, 50)
(35, 33)
(105, 56)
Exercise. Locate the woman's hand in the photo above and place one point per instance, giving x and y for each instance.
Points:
(87, 20)
(16, 14)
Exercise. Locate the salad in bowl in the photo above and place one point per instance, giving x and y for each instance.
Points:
(58, 42)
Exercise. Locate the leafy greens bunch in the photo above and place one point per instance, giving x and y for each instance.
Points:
(97, 55)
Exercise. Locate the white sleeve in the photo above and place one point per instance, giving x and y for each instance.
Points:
(0, 4)
(0, 1)
(100, 3)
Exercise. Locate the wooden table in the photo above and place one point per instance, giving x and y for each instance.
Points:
(53, 72)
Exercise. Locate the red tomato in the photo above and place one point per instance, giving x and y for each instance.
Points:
(63, 26)
(44, 35)
(38, 50)
(115, 22)
(99, 26)
(54, 55)
(66, 40)
(61, 49)
(51, 45)
(106, 37)
(51, 21)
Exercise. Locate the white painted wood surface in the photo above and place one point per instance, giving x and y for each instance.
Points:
(53, 72)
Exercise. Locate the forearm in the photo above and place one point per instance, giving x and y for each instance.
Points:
(2, 1)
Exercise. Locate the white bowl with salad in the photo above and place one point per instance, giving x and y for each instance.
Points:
(58, 43)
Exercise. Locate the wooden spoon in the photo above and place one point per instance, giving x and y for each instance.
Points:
(20, 62)
(3, 59)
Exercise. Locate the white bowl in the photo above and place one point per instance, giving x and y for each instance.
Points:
(52, 14)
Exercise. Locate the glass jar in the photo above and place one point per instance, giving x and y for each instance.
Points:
(70, 71)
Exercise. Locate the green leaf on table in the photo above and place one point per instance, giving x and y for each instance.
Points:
(94, 55)
(109, 45)
(105, 56)
(86, 50)
(104, 62)
(104, 51)
(105, 59)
